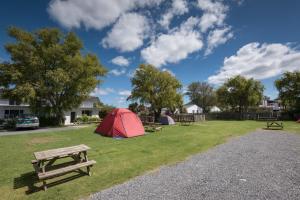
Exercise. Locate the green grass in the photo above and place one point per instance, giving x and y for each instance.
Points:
(117, 160)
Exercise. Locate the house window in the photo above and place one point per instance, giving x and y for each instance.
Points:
(13, 113)
(87, 112)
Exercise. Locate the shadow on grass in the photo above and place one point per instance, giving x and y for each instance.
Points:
(31, 181)
(33, 184)
(273, 129)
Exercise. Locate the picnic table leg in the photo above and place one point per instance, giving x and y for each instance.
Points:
(88, 167)
(42, 163)
(44, 185)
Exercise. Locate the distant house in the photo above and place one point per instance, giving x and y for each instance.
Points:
(11, 109)
(192, 108)
(215, 109)
(270, 104)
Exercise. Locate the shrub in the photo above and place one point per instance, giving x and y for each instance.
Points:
(10, 124)
(48, 121)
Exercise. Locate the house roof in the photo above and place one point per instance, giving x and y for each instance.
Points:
(189, 105)
(93, 98)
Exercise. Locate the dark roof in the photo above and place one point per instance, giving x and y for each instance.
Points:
(93, 98)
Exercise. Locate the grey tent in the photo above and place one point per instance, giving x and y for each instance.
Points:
(167, 120)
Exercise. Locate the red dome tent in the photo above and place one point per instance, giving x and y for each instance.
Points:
(121, 122)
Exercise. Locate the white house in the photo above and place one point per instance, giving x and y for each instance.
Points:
(215, 109)
(267, 103)
(192, 108)
(10, 109)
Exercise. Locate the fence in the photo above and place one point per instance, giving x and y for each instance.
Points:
(242, 116)
(188, 117)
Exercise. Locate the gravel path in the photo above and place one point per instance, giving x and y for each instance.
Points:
(260, 165)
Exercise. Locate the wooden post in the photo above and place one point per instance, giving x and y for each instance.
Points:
(86, 159)
(44, 185)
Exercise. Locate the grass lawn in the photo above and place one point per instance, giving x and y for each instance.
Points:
(117, 160)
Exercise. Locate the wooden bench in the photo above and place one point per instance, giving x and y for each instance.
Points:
(152, 126)
(44, 161)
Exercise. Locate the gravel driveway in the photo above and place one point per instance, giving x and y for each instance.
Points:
(259, 165)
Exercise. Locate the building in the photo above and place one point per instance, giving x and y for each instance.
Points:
(192, 108)
(267, 103)
(215, 109)
(11, 109)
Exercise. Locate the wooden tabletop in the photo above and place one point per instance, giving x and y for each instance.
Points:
(42, 155)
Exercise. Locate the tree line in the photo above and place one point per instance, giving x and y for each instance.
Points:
(49, 70)
(159, 89)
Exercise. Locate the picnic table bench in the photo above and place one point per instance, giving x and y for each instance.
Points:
(152, 126)
(44, 160)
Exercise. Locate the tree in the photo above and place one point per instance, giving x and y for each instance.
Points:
(289, 90)
(133, 107)
(48, 71)
(238, 93)
(202, 94)
(159, 89)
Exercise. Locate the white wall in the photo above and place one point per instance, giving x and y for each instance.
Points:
(194, 109)
(95, 113)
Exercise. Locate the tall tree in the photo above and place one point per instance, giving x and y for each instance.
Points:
(202, 94)
(289, 90)
(157, 88)
(238, 93)
(48, 71)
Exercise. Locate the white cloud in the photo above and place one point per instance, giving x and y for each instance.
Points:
(93, 13)
(175, 46)
(214, 14)
(128, 33)
(125, 92)
(259, 61)
(102, 91)
(121, 101)
(121, 61)
(131, 73)
(117, 72)
(217, 37)
(179, 7)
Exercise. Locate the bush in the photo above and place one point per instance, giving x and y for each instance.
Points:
(48, 121)
(94, 119)
(10, 124)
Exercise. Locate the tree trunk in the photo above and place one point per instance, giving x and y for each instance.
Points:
(157, 115)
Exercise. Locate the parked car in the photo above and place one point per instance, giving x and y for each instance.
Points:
(27, 121)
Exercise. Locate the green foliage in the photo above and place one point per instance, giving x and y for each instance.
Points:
(156, 88)
(87, 119)
(133, 107)
(48, 71)
(289, 90)
(138, 108)
(238, 93)
(202, 94)
(48, 121)
(104, 110)
(10, 124)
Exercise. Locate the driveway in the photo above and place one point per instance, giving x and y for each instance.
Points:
(259, 165)
(40, 130)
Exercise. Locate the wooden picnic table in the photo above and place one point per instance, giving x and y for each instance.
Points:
(274, 124)
(45, 169)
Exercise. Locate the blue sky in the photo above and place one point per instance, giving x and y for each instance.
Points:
(196, 40)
